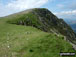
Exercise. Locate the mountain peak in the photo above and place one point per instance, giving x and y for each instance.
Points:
(44, 20)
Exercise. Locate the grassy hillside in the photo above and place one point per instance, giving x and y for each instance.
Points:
(28, 41)
(44, 20)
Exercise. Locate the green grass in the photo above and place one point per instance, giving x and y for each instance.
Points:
(27, 41)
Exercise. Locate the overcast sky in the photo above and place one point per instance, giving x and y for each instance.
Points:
(65, 9)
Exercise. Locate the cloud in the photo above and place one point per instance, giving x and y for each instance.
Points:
(14, 6)
(3, 10)
(67, 9)
(26, 4)
(67, 14)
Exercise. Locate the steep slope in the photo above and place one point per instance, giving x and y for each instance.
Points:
(43, 19)
(27, 41)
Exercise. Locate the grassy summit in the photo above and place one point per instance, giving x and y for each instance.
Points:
(28, 41)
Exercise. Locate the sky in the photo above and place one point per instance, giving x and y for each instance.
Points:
(65, 9)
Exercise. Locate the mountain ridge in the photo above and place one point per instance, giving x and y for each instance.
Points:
(43, 19)
(34, 34)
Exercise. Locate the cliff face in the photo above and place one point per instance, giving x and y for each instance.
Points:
(44, 20)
